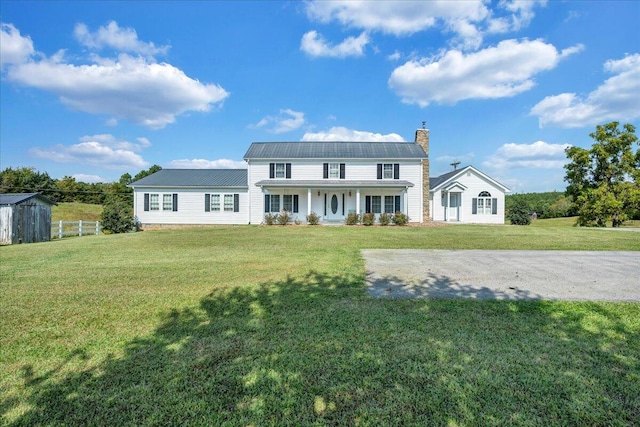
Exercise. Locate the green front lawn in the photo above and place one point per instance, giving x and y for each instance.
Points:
(272, 326)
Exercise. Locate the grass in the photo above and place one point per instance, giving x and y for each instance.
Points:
(75, 212)
(571, 222)
(271, 326)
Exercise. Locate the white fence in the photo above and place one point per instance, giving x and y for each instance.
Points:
(75, 228)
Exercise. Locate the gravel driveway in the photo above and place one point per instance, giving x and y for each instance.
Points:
(506, 275)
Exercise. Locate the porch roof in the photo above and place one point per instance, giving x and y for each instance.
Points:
(334, 183)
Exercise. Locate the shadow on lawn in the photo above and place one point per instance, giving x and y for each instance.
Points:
(317, 351)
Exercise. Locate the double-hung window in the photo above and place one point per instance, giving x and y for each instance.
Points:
(215, 203)
(334, 170)
(287, 202)
(376, 204)
(154, 202)
(280, 170)
(228, 202)
(388, 170)
(389, 204)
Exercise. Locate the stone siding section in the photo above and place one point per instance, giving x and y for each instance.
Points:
(422, 139)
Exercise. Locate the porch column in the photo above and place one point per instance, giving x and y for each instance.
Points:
(308, 201)
(404, 202)
(358, 201)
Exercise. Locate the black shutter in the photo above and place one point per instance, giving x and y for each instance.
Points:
(236, 203)
(175, 202)
(272, 170)
(342, 204)
(325, 170)
(379, 170)
(342, 170)
(287, 169)
(367, 204)
(396, 171)
(474, 206)
(267, 203)
(295, 203)
(397, 204)
(207, 202)
(146, 201)
(494, 206)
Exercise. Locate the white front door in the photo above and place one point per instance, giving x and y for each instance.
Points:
(334, 206)
(454, 207)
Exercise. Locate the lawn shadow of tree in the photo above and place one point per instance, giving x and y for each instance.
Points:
(316, 350)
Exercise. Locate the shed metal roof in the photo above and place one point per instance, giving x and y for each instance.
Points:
(16, 198)
(194, 178)
(335, 150)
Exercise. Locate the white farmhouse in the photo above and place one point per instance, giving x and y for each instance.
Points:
(330, 179)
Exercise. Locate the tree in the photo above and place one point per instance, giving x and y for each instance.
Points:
(519, 213)
(604, 181)
(116, 216)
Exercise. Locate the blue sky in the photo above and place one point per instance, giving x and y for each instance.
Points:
(96, 89)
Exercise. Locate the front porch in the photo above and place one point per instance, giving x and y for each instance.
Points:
(333, 200)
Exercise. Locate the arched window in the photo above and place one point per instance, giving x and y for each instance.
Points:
(484, 204)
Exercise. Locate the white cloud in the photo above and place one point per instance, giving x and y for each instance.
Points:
(538, 155)
(468, 20)
(339, 133)
(14, 49)
(98, 150)
(127, 87)
(119, 39)
(206, 164)
(500, 71)
(89, 179)
(314, 44)
(616, 99)
(286, 121)
(394, 56)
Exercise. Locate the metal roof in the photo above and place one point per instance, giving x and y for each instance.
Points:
(194, 178)
(335, 150)
(436, 182)
(333, 183)
(15, 198)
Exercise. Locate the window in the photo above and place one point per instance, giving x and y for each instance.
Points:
(334, 170)
(388, 204)
(215, 203)
(275, 203)
(231, 202)
(287, 202)
(280, 170)
(376, 204)
(167, 202)
(484, 204)
(228, 202)
(388, 170)
(154, 202)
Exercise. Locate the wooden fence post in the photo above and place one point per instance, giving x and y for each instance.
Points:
(97, 227)
(80, 228)
(60, 230)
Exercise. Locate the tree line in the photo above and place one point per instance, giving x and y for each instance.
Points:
(67, 189)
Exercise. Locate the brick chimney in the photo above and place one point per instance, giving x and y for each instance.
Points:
(422, 139)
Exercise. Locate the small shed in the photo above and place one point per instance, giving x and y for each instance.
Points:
(25, 218)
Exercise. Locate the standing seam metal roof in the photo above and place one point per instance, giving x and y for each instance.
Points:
(335, 150)
(194, 178)
(15, 198)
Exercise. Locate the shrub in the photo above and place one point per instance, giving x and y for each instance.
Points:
(368, 218)
(313, 218)
(352, 219)
(384, 218)
(270, 219)
(399, 218)
(116, 216)
(283, 218)
(519, 213)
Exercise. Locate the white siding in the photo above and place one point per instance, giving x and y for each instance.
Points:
(475, 184)
(354, 170)
(191, 207)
